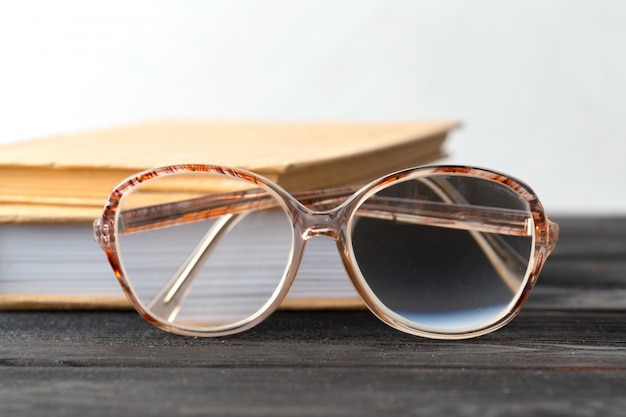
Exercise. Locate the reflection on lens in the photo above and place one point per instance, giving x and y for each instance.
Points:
(202, 274)
(443, 277)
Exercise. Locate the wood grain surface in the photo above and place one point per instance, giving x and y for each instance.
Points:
(564, 355)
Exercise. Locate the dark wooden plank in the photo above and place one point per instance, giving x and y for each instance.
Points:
(310, 392)
(587, 269)
(333, 338)
(591, 237)
(310, 363)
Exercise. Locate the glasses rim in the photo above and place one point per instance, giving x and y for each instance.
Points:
(305, 222)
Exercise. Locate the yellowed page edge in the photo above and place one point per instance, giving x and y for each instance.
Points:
(41, 302)
(18, 302)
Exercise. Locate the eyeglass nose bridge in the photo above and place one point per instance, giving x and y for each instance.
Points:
(320, 223)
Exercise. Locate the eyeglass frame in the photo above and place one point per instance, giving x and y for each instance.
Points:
(334, 222)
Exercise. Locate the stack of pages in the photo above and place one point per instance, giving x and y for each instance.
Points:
(51, 190)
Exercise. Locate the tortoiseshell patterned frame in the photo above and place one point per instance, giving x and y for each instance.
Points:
(334, 220)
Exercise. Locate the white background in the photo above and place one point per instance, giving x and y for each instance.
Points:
(539, 85)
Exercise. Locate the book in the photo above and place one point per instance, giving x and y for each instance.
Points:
(52, 189)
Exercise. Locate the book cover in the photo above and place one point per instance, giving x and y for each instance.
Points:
(66, 178)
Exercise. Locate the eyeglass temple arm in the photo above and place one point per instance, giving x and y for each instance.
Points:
(167, 302)
(506, 261)
(443, 214)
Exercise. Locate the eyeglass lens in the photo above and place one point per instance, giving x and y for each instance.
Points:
(443, 278)
(239, 266)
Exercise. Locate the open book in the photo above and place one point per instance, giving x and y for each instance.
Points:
(52, 189)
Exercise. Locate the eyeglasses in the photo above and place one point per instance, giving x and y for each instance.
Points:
(445, 252)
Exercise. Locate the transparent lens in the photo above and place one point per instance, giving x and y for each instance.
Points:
(447, 253)
(196, 250)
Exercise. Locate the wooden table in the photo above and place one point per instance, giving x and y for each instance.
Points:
(564, 355)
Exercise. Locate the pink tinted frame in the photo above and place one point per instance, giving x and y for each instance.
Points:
(334, 222)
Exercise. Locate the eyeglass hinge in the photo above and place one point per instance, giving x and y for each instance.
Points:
(101, 233)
